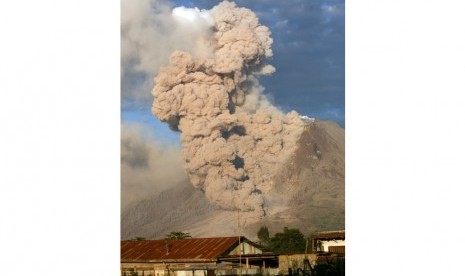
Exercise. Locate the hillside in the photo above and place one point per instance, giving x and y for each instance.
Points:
(308, 194)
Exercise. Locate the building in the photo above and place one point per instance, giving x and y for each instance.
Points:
(327, 249)
(329, 241)
(196, 257)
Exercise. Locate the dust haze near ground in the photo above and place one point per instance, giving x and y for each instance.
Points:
(147, 166)
(309, 195)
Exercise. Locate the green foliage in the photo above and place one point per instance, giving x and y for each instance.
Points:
(332, 267)
(138, 239)
(289, 241)
(178, 235)
(264, 236)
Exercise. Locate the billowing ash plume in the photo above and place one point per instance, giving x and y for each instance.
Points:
(234, 141)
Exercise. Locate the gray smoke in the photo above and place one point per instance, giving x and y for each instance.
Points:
(147, 166)
(149, 34)
(233, 140)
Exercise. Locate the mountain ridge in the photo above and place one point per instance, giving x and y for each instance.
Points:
(308, 194)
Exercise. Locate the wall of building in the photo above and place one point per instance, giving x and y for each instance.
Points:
(246, 249)
(160, 269)
(192, 273)
(157, 270)
(325, 244)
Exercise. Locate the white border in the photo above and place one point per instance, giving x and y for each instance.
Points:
(405, 137)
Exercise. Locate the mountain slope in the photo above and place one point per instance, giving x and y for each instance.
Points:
(308, 194)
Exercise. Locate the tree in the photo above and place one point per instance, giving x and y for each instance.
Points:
(178, 235)
(264, 236)
(289, 241)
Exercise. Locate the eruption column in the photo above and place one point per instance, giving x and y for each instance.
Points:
(234, 141)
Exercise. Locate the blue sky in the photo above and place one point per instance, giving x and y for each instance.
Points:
(309, 57)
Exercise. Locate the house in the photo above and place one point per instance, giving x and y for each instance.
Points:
(327, 248)
(196, 257)
(329, 241)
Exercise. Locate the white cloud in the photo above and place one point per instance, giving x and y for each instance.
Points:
(194, 15)
(281, 24)
(329, 8)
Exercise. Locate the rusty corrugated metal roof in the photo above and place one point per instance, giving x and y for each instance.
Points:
(185, 249)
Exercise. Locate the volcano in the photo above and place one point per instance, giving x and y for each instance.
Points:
(308, 194)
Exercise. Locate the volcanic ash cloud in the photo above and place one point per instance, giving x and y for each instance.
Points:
(233, 140)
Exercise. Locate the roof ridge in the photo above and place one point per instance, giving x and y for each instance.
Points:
(226, 237)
